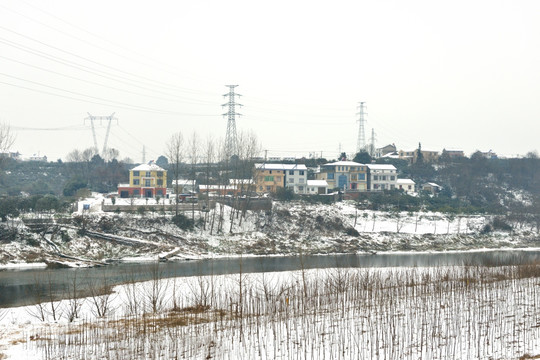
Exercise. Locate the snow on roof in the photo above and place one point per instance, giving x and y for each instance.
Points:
(280, 166)
(151, 166)
(432, 184)
(216, 187)
(182, 182)
(317, 183)
(405, 182)
(381, 167)
(240, 181)
(344, 163)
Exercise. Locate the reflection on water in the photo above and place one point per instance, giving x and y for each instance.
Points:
(22, 287)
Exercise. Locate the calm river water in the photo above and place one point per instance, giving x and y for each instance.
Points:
(19, 287)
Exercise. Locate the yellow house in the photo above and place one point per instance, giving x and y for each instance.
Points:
(146, 180)
(269, 177)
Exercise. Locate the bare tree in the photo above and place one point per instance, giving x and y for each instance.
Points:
(7, 139)
(175, 153)
(193, 148)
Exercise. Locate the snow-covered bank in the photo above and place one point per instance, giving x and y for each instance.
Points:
(290, 228)
(405, 313)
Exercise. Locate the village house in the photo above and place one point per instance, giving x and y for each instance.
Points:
(270, 177)
(345, 175)
(411, 156)
(146, 180)
(407, 185)
(385, 150)
(184, 186)
(381, 177)
(317, 187)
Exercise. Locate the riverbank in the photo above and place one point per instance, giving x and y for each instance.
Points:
(97, 238)
(488, 312)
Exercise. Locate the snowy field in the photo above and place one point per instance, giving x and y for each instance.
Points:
(392, 313)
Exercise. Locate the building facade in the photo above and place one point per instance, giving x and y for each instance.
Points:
(381, 177)
(270, 177)
(146, 180)
(345, 175)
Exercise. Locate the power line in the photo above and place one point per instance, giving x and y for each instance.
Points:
(163, 85)
(107, 40)
(93, 82)
(93, 71)
(124, 105)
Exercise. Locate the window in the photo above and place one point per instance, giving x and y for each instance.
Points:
(160, 192)
(392, 187)
(330, 176)
(268, 178)
(291, 172)
(361, 177)
(353, 177)
(375, 177)
(160, 182)
(270, 172)
(300, 188)
(383, 177)
(301, 181)
(410, 187)
(278, 178)
(291, 180)
(301, 172)
(148, 174)
(147, 182)
(135, 181)
(268, 188)
(136, 192)
(392, 178)
(135, 173)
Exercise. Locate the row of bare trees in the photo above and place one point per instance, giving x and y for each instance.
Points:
(436, 313)
(206, 160)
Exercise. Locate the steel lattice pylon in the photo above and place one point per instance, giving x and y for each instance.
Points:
(361, 141)
(231, 145)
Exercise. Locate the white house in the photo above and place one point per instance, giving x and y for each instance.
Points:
(296, 177)
(315, 187)
(185, 186)
(407, 185)
(381, 177)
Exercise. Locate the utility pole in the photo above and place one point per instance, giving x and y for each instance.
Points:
(361, 142)
(231, 145)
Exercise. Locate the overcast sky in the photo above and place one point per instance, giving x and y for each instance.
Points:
(455, 75)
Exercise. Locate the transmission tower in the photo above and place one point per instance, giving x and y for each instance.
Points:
(361, 143)
(231, 145)
(93, 118)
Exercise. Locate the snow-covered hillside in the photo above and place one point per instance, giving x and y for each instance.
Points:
(94, 236)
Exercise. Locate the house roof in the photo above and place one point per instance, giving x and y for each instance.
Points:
(151, 166)
(344, 163)
(182, 182)
(405, 182)
(381, 167)
(432, 184)
(240, 181)
(280, 166)
(318, 183)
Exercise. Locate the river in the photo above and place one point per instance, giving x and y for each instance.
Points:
(24, 287)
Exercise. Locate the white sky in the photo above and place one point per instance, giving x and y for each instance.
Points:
(456, 75)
